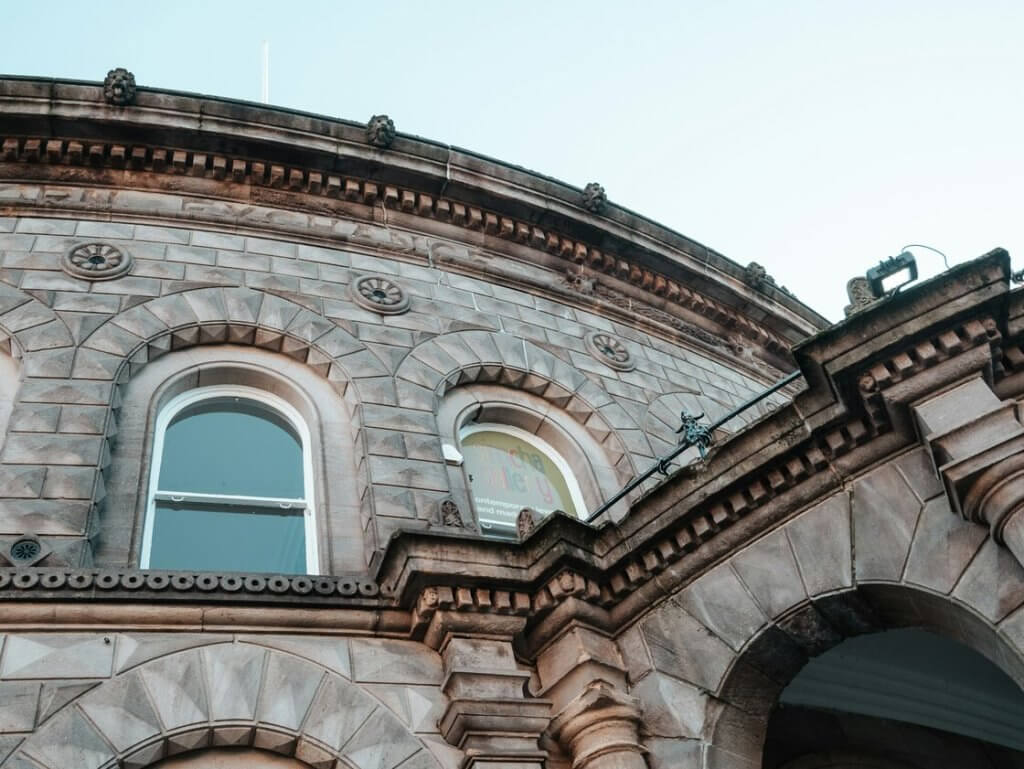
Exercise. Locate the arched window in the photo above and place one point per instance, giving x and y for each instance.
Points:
(509, 469)
(231, 485)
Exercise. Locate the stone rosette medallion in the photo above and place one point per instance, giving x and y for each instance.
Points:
(96, 261)
(610, 350)
(380, 293)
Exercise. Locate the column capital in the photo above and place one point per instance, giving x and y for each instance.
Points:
(600, 728)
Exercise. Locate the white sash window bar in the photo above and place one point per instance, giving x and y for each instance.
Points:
(230, 485)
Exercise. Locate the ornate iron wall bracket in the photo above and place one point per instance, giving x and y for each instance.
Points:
(694, 434)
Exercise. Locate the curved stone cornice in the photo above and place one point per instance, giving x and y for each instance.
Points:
(280, 155)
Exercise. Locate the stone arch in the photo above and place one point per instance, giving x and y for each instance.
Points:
(84, 401)
(887, 553)
(444, 362)
(227, 694)
(42, 345)
(28, 326)
(224, 315)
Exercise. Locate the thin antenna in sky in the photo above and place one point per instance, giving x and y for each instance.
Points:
(265, 90)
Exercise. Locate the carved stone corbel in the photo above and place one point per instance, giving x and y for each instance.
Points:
(489, 715)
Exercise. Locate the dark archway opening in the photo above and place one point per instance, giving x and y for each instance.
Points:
(783, 705)
(907, 696)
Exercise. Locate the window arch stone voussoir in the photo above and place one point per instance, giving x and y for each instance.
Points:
(442, 363)
(129, 340)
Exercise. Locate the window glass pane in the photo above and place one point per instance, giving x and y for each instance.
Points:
(507, 474)
(223, 538)
(231, 446)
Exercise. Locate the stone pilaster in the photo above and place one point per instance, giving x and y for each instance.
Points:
(597, 723)
(490, 715)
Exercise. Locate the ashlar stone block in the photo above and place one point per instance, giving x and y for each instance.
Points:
(234, 673)
(18, 703)
(683, 648)
(380, 743)
(120, 708)
(384, 661)
(63, 655)
(719, 600)
(671, 708)
(331, 653)
(68, 739)
(176, 683)
(943, 546)
(337, 712)
(885, 512)
(288, 687)
(822, 544)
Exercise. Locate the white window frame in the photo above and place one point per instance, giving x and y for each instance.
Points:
(279, 406)
(541, 445)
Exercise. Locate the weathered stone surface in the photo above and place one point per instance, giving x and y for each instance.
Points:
(885, 512)
(822, 544)
(943, 546)
(719, 600)
(674, 753)
(331, 653)
(68, 739)
(176, 683)
(135, 648)
(418, 707)
(381, 742)
(56, 694)
(382, 661)
(671, 708)
(18, 703)
(338, 710)
(683, 648)
(993, 583)
(62, 655)
(770, 573)
(120, 709)
(287, 691)
(233, 675)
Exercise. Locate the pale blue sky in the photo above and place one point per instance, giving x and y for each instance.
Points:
(813, 137)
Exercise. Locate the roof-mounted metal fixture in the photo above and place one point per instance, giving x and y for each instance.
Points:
(903, 264)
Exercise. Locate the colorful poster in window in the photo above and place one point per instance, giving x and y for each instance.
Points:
(507, 473)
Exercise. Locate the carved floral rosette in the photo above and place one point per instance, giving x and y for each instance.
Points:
(96, 261)
(381, 294)
(610, 350)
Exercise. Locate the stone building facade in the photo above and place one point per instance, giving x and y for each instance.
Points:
(393, 297)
